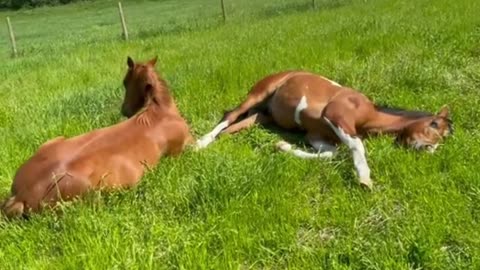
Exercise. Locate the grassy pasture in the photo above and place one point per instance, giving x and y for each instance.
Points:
(239, 204)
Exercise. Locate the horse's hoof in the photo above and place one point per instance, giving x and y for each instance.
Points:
(284, 146)
(367, 184)
(203, 142)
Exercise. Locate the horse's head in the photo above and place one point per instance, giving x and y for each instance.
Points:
(427, 132)
(138, 82)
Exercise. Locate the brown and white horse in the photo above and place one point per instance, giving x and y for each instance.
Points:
(111, 157)
(329, 113)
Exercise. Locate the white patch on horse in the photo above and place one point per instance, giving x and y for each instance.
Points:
(358, 151)
(332, 82)
(286, 147)
(210, 137)
(302, 105)
(323, 147)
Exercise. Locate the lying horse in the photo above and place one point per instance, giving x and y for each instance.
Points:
(329, 113)
(111, 157)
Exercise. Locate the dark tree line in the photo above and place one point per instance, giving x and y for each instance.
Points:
(16, 4)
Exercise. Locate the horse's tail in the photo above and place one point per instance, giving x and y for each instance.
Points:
(13, 207)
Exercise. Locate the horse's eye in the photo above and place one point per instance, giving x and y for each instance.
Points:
(434, 125)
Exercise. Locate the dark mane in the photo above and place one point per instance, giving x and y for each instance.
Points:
(161, 88)
(402, 112)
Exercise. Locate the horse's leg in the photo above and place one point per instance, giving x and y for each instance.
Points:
(63, 188)
(230, 118)
(325, 150)
(255, 118)
(258, 95)
(344, 128)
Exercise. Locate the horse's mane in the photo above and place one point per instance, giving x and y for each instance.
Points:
(402, 112)
(160, 96)
(161, 90)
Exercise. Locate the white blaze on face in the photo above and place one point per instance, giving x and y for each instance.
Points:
(332, 82)
(358, 152)
(302, 105)
(210, 137)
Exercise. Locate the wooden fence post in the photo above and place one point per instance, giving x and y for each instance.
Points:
(122, 19)
(12, 38)
(223, 10)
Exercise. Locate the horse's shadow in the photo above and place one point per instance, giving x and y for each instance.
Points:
(341, 161)
(294, 137)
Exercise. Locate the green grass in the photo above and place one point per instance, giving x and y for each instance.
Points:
(239, 204)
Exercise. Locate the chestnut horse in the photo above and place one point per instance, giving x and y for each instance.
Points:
(329, 113)
(111, 157)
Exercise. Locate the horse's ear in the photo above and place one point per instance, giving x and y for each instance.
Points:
(130, 62)
(444, 112)
(153, 61)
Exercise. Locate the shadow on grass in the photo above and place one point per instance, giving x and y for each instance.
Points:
(201, 23)
(342, 160)
(174, 28)
(307, 5)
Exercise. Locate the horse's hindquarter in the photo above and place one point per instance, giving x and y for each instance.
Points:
(36, 177)
(282, 107)
(300, 101)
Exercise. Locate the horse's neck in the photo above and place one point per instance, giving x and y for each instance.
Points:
(384, 122)
(157, 108)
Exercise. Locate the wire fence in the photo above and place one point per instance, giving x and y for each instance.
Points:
(48, 29)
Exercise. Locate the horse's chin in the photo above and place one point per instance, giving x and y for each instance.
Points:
(422, 146)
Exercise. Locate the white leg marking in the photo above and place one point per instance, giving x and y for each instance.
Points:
(323, 147)
(302, 105)
(332, 82)
(358, 152)
(286, 147)
(210, 137)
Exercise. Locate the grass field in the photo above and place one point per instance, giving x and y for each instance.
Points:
(239, 204)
